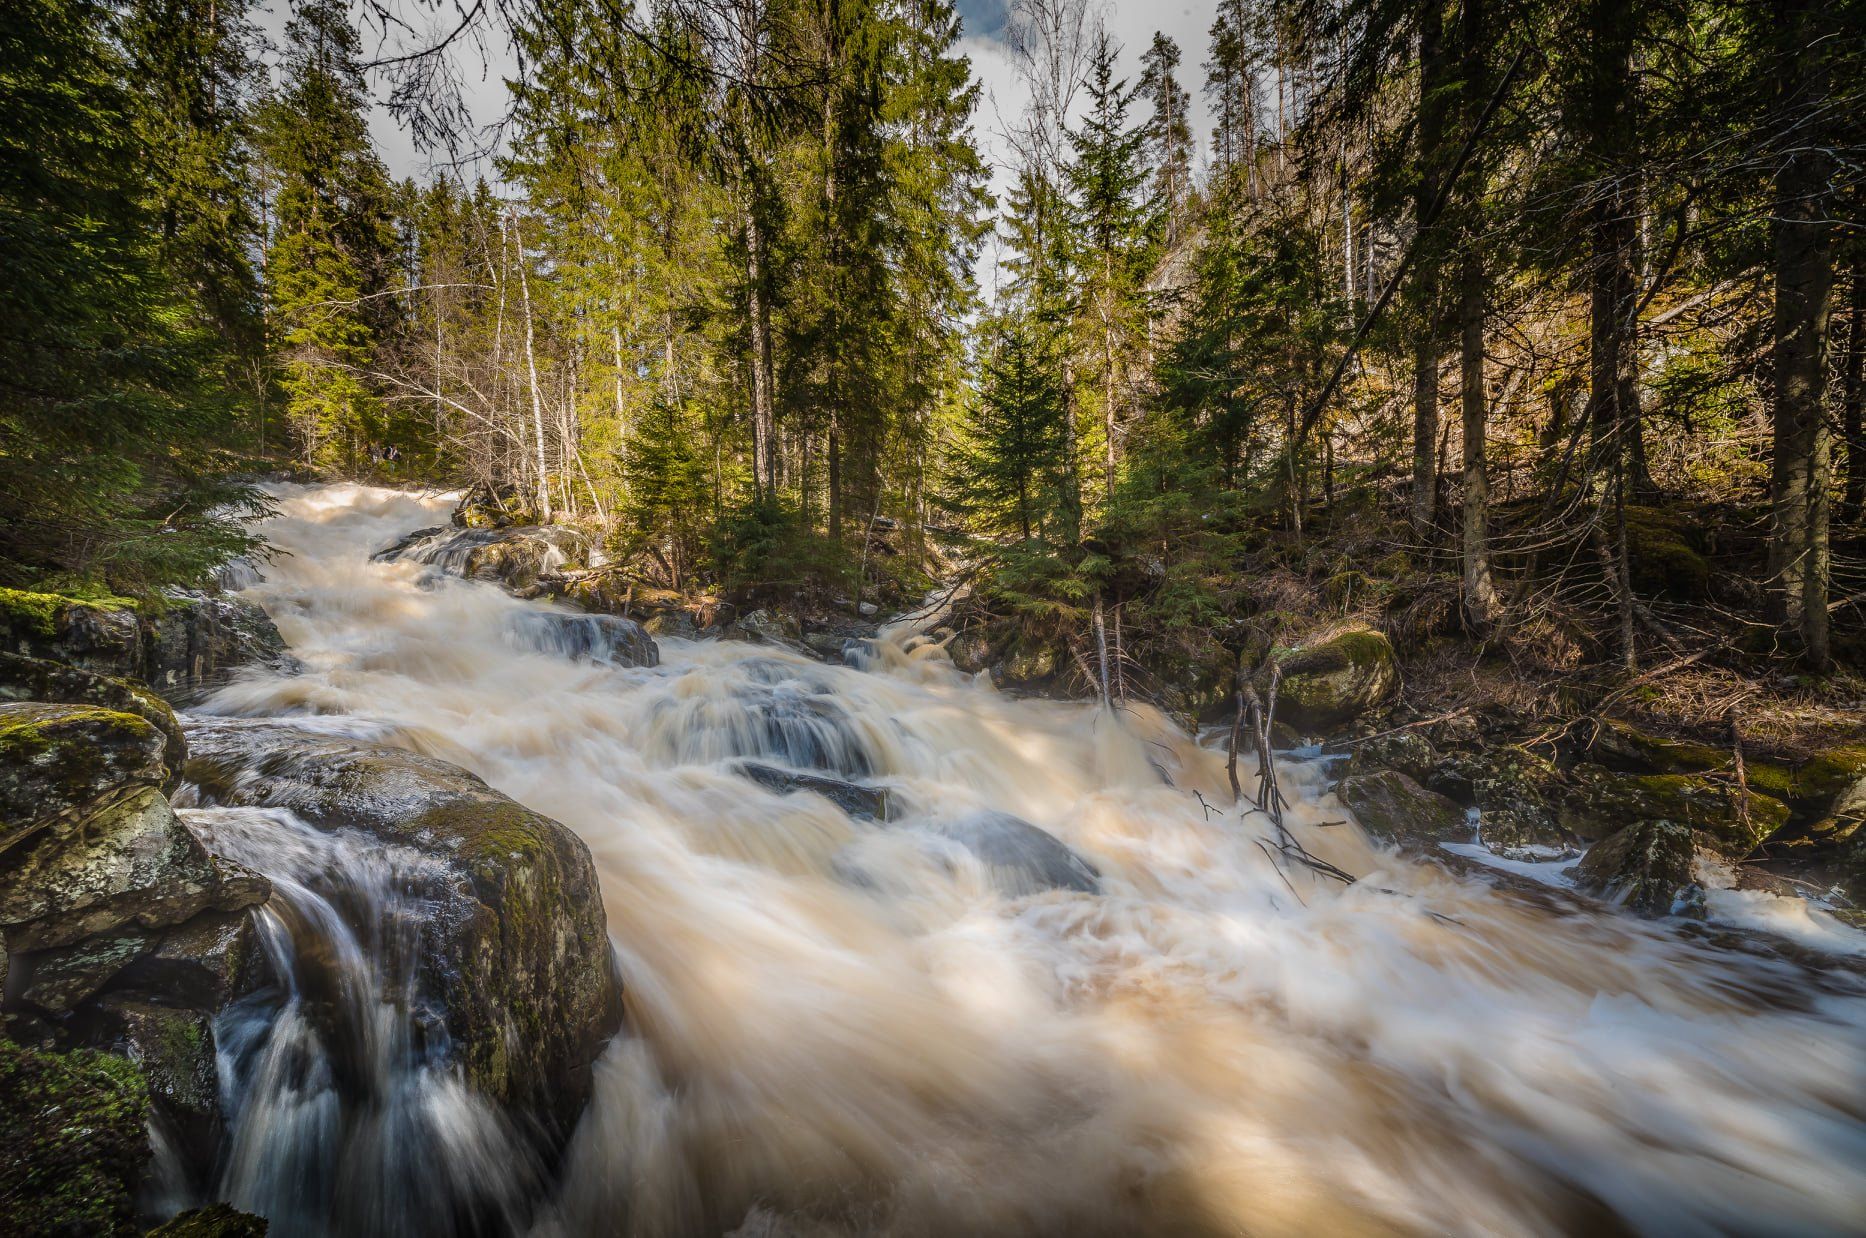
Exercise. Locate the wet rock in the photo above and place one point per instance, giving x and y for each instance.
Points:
(676, 623)
(862, 803)
(486, 506)
(174, 1047)
(1727, 821)
(1328, 685)
(214, 1221)
(1408, 752)
(131, 863)
(606, 639)
(67, 761)
(36, 679)
(56, 981)
(203, 964)
(970, 650)
(1028, 665)
(515, 557)
(1645, 868)
(517, 953)
(178, 645)
(74, 1129)
(1393, 808)
(1019, 857)
(1520, 798)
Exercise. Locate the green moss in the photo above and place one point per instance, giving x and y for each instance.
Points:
(214, 1221)
(37, 614)
(1679, 756)
(73, 1125)
(1831, 772)
(1725, 821)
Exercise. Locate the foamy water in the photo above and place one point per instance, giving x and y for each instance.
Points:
(841, 1027)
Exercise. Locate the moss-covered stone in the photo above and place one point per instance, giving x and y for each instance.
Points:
(1664, 557)
(1727, 821)
(1645, 868)
(1519, 797)
(99, 634)
(214, 1221)
(1409, 752)
(62, 761)
(73, 1126)
(39, 679)
(1831, 772)
(1393, 808)
(517, 953)
(1618, 742)
(131, 863)
(1328, 685)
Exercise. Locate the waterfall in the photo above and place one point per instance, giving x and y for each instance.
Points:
(1051, 983)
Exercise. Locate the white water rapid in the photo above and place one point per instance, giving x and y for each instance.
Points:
(840, 1027)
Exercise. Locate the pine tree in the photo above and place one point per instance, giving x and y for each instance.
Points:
(332, 254)
(1011, 466)
(1168, 135)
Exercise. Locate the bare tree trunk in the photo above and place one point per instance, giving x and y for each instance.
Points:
(1432, 106)
(1481, 606)
(1802, 462)
(764, 420)
(1853, 399)
(531, 366)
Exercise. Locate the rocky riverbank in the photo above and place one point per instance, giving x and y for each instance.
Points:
(128, 934)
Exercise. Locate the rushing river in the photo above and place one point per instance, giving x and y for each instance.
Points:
(840, 1027)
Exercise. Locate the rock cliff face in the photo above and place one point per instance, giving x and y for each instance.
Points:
(516, 954)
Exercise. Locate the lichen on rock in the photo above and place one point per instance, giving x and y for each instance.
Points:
(1393, 808)
(1646, 868)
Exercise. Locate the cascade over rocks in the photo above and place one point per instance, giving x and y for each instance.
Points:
(517, 953)
(515, 557)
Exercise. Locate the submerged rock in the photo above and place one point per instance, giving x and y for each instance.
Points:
(607, 639)
(514, 557)
(1018, 857)
(860, 802)
(1330, 684)
(214, 1221)
(516, 953)
(1645, 868)
(1393, 808)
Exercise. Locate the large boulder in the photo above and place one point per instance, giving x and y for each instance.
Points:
(516, 558)
(1393, 808)
(1646, 868)
(1329, 684)
(1409, 752)
(1728, 821)
(1019, 858)
(1520, 796)
(863, 803)
(609, 640)
(516, 954)
(179, 644)
(36, 679)
(69, 761)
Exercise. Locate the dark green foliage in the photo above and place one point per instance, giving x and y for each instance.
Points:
(1010, 468)
(114, 415)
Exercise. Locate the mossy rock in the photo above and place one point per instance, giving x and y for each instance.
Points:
(1621, 743)
(97, 634)
(1519, 798)
(1029, 663)
(39, 679)
(1831, 772)
(132, 863)
(1664, 557)
(1645, 868)
(517, 955)
(75, 1129)
(1727, 822)
(1393, 808)
(65, 761)
(1409, 752)
(213, 1221)
(1327, 685)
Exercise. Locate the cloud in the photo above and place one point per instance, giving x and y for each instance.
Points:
(985, 19)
